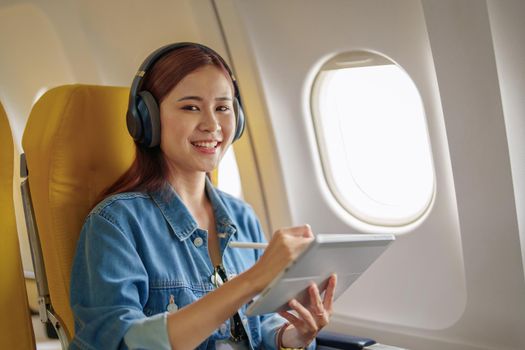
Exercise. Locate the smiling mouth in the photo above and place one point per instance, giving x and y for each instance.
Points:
(206, 144)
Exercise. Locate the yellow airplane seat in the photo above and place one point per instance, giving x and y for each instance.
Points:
(16, 330)
(76, 143)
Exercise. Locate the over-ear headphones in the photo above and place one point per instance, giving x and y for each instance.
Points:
(143, 115)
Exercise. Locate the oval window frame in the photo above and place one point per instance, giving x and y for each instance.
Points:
(353, 59)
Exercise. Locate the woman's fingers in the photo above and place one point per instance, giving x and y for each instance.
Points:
(304, 314)
(315, 300)
(297, 231)
(309, 321)
(329, 294)
(291, 241)
(319, 313)
(284, 247)
(297, 322)
(301, 231)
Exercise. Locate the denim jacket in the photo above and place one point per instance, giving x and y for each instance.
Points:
(139, 250)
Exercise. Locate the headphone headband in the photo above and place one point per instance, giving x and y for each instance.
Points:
(142, 117)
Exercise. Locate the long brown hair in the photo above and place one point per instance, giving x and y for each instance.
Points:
(149, 171)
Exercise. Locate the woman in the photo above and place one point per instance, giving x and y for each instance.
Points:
(152, 255)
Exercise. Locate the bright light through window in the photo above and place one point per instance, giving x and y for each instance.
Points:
(229, 179)
(374, 143)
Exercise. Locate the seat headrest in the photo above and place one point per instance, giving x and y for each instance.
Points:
(76, 144)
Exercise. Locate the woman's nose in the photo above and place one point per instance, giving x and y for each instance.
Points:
(210, 122)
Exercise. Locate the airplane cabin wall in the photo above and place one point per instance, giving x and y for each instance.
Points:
(464, 57)
(287, 53)
(508, 28)
(455, 279)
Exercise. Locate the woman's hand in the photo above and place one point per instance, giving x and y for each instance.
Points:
(284, 247)
(310, 319)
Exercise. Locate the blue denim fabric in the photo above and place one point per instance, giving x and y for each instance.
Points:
(136, 250)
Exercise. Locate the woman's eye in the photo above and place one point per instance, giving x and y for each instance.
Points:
(223, 108)
(190, 108)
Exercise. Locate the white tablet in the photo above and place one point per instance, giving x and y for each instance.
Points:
(347, 255)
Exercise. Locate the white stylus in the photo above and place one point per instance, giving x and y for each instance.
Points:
(250, 245)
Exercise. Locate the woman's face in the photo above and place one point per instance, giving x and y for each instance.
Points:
(197, 121)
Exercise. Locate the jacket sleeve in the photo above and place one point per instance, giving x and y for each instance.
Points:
(109, 287)
(149, 333)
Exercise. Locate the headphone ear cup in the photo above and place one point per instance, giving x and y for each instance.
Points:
(134, 125)
(239, 119)
(150, 115)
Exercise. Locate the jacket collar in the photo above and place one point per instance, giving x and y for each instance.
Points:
(179, 217)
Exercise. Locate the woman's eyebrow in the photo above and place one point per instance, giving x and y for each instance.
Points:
(198, 98)
(190, 98)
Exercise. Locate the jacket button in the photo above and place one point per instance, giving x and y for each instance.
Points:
(197, 242)
(172, 307)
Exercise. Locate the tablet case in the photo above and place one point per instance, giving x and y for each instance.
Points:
(347, 255)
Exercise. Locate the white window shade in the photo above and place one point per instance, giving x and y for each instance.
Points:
(373, 140)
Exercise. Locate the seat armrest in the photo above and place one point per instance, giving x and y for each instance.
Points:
(331, 340)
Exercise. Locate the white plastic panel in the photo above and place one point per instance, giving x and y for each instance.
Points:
(288, 54)
(26, 33)
(508, 33)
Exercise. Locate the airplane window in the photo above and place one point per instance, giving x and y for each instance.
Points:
(229, 179)
(372, 135)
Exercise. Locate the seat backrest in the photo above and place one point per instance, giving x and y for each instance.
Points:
(76, 143)
(16, 330)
